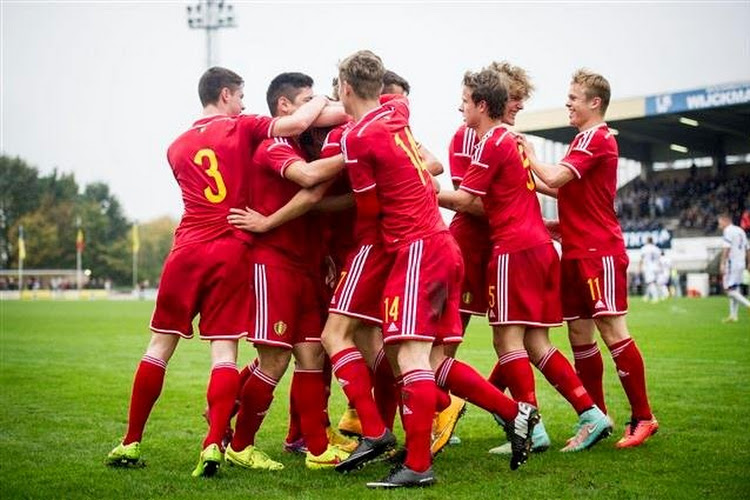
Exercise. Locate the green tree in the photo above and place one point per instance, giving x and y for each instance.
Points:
(156, 240)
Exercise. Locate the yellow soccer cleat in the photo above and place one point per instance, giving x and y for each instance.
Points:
(251, 458)
(125, 455)
(326, 460)
(208, 462)
(349, 424)
(445, 424)
(337, 439)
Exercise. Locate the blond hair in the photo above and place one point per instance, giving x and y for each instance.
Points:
(594, 85)
(518, 81)
(364, 71)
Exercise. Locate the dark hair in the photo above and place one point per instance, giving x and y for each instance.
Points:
(215, 79)
(392, 78)
(489, 86)
(287, 85)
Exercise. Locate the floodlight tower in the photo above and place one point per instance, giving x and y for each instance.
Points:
(211, 15)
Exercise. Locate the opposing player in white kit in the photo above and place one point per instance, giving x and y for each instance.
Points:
(733, 263)
(649, 266)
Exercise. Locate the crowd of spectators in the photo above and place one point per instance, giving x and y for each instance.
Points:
(695, 202)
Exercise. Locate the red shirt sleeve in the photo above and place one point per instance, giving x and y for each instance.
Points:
(279, 154)
(584, 151)
(359, 162)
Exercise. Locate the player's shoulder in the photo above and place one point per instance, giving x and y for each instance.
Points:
(595, 138)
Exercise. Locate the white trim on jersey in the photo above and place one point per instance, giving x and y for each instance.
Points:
(352, 279)
(366, 188)
(568, 165)
(608, 264)
(497, 142)
(261, 302)
(469, 142)
(378, 116)
(279, 141)
(411, 288)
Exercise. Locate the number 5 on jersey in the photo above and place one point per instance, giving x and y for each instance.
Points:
(213, 172)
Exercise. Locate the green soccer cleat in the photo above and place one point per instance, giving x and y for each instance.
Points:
(209, 461)
(251, 458)
(593, 426)
(125, 455)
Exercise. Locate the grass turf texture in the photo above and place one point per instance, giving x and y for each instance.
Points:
(66, 370)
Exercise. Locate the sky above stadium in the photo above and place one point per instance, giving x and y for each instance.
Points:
(100, 89)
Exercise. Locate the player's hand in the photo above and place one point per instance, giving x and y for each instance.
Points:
(435, 184)
(527, 146)
(248, 220)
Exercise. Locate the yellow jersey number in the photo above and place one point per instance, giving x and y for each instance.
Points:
(412, 151)
(213, 172)
(530, 184)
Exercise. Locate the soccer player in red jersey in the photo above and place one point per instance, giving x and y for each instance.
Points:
(594, 262)
(288, 304)
(523, 274)
(210, 162)
(421, 292)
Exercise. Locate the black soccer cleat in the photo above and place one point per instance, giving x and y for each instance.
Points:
(367, 450)
(519, 434)
(403, 477)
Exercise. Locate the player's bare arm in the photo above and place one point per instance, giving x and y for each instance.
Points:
(301, 119)
(335, 203)
(552, 175)
(461, 201)
(332, 114)
(432, 164)
(248, 219)
(310, 174)
(543, 188)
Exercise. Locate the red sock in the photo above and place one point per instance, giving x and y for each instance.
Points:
(294, 432)
(221, 396)
(519, 375)
(590, 369)
(465, 382)
(385, 391)
(418, 396)
(561, 375)
(497, 377)
(442, 399)
(354, 376)
(309, 393)
(149, 379)
(632, 373)
(257, 395)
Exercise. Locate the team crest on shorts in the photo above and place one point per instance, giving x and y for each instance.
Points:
(280, 328)
(467, 297)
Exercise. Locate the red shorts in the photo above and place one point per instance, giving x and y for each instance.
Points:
(288, 307)
(359, 291)
(423, 292)
(597, 286)
(210, 279)
(524, 287)
(476, 256)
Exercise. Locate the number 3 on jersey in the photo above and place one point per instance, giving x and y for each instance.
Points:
(213, 172)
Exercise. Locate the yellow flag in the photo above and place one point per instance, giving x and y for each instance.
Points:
(21, 245)
(80, 244)
(136, 239)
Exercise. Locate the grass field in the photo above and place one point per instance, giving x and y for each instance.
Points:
(66, 370)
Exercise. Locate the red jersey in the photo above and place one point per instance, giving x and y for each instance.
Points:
(381, 154)
(500, 173)
(211, 162)
(292, 244)
(586, 204)
(343, 225)
(466, 228)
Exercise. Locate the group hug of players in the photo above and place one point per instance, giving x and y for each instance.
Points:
(277, 207)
